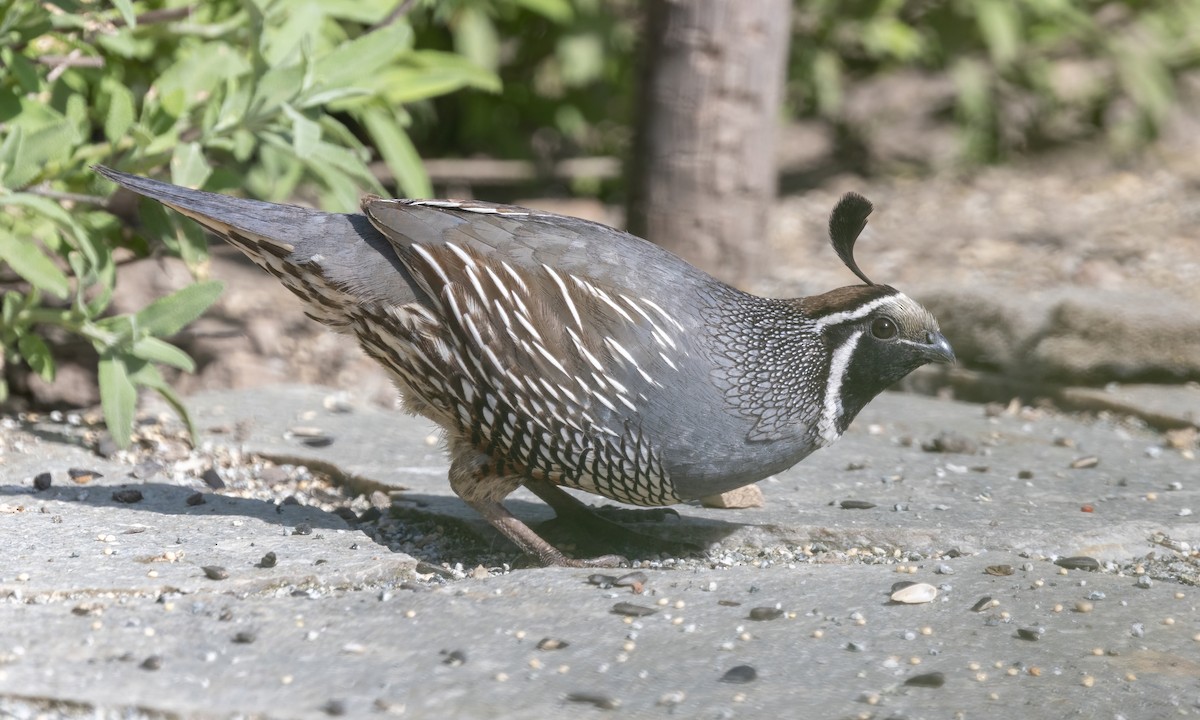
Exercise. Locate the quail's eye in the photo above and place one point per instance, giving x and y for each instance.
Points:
(883, 328)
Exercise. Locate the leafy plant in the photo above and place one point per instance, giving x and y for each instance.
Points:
(263, 95)
(1025, 72)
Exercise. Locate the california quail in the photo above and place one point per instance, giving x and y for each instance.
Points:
(559, 352)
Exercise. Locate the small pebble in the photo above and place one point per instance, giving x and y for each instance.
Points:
(1085, 463)
(81, 476)
(928, 680)
(915, 594)
(603, 581)
(1088, 681)
(1083, 606)
(550, 643)
(631, 610)
(604, 702)
(41, 481)
(335, 707)
(1137, 629)
(1144, 582)
(454, 658)
(154, 662)
(127, 495)
(245, 637)
(1079, 562)
(268, 561)
(215, 572)
(999, 570)
(857, 505)
(1032, 634)
(213, 479)
(765, 613)
(196, 498)
(303, 529)
(740, 674)
(983, 603)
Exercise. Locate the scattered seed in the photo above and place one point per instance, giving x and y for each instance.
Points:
(1085, 463)
(604, 702)
(215, 572)
(1031, 634)
(454, 658)
(83, 477)
(999, 570)
(1078, 562)
(929, 680)
(154, 662)
(550, 643)
(915, 594)
(196, 498)
(631, 610)
(857, 505)
(765, 613)
(212, 479)
(984, 603)
(740, 674)
(41, 481)
(127, 495)
(268, 560)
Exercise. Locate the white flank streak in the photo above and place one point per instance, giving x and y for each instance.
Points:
(521, 318)
(498, 283)
(609, 301)
(659, 336)
(520, 306)
(513, 274)
(503, 314)
(579, 344)
(470, 323)
(832, 409)
(566, 295)
(467, 260)
(492, 357)
(662, 312)
(856, 314)
(549, 388)
(428, 258)
(628, 404)
(604, 401)
(476, 284)
(551, 359)
(612, 381)
(317, 259)
(621, 350)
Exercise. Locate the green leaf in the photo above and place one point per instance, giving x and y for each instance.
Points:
(28, 260)
(475, 38)
(305, 133)
(398, 152)
(1000, 25)
(363, 57)
(118, 397)
(155, 350)
(120, 109)
(558, 11)
(168, 315)
(189, 167)
(37, 355)
(125, 7)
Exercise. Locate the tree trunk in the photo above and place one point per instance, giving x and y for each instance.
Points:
(702, 178)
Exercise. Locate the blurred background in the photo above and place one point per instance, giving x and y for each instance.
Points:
(1035, 166)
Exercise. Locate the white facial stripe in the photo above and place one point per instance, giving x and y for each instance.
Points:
(832, 409)
(856, 314)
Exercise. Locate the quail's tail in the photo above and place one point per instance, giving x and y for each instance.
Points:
(325, 258)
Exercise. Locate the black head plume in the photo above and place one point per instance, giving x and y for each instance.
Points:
(847, 220)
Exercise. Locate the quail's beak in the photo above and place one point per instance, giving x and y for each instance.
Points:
(937, 349)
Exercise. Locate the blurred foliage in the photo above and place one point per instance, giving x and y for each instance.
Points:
(273, 92)
(1025, 72)
(568, 70)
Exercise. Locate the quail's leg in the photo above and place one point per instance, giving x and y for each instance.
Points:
(567, 506)
(580, 517)
(485, 492)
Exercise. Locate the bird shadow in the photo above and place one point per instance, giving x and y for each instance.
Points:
(434, 529)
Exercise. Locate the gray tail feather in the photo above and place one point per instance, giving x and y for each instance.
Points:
(344, 249)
